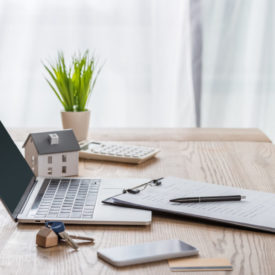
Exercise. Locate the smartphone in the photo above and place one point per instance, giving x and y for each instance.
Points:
(146, 252)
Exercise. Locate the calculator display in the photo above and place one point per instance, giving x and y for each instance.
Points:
(91, 146)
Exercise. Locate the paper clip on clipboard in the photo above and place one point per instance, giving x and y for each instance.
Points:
(134, 190)
(137, 189)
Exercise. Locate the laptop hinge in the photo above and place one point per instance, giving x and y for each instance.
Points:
(24, 199)
(28, 197)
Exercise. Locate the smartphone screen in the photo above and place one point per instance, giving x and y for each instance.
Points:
(146, 252)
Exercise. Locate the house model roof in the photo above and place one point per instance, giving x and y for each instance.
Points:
(67, 142)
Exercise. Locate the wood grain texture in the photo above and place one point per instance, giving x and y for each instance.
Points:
(158, 134)
(241, 164)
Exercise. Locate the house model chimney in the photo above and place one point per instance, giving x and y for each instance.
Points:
(53, 139)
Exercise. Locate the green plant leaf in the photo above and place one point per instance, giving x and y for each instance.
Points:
(73, 84)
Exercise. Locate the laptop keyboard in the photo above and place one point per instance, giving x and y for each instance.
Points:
(66, 198)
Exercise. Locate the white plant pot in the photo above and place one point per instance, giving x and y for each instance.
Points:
(78, 121)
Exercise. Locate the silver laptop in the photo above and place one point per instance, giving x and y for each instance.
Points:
(31, 199)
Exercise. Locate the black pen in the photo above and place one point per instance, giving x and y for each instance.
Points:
(209, 199)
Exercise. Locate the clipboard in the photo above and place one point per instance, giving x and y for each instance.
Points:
(256, 212)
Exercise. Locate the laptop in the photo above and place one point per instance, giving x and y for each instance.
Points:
(31, 199)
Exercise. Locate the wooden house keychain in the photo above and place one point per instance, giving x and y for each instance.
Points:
(52, 232)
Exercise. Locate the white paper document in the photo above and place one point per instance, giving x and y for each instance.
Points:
(256, 211)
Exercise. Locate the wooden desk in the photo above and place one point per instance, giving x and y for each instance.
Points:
(157, 134)
(241, 164)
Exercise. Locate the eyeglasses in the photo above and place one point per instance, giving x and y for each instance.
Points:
(137, 189)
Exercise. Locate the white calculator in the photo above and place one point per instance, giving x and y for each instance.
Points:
(115, 152)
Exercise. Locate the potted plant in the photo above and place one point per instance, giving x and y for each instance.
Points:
(73, 85)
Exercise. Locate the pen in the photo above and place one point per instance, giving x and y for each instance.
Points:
(209, 199)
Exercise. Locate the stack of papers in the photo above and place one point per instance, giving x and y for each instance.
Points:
(256, 211)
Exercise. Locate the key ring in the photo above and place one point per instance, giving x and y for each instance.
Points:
(57, 227)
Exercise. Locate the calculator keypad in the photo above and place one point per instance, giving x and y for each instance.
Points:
(117, 152)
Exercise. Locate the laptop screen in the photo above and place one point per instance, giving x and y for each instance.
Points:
(15, 173)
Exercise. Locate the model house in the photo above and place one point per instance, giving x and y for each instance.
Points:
(52, 154)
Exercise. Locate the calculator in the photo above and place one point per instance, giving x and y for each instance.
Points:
(116, 152)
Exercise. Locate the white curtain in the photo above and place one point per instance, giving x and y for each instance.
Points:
(239, 64)
(160, 57)
(145, 46)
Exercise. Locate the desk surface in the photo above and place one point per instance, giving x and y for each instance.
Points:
(241, 164)
(157, 134)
